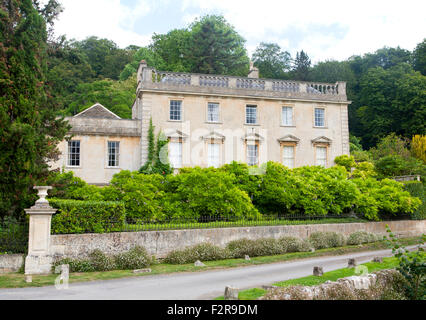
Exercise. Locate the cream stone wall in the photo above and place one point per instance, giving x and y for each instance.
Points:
(94, 157)
(232, 125)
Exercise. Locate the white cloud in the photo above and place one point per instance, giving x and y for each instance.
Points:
(334, 29)
(370, 24)
(102, 18)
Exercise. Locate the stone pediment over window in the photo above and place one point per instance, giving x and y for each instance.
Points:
(214, 136)
(97, 111)
(289, 138)
(253, 137)
(322, 140)
(176, 134)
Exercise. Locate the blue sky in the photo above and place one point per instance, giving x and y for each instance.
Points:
(325, 29)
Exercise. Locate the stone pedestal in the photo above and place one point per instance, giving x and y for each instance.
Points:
(39, 259)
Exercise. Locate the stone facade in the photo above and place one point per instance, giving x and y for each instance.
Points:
(301, 138)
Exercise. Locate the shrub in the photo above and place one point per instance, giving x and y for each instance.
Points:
(254, 248)
(322, 240)
(100, 261)
(76, 216)
(360, 237)
(383, 198)
(141, 194)
(13, 236)
(76, 265)
(135, 258)
(417, 189)
(64, 184)
(348, 162)
(196, 192)
(202, 252)
(293, 244)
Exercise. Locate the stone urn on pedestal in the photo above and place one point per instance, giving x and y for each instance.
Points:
(39, 259)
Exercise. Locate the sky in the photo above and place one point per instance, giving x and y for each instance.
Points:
(326, 30)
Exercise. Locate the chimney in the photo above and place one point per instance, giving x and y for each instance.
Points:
(254, 72)
(142, 65)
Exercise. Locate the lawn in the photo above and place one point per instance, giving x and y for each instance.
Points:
(17, 280)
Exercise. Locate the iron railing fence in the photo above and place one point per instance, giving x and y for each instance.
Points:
(206, 222)
(13, 237)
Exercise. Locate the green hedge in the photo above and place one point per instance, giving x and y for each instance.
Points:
(75, 216)
(417, 189)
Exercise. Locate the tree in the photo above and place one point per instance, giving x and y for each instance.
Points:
(103, 55)
(419, 58)
(302, 67)
(271, 61)
(117, 96)
(418, 147)
(216, 48)
(392, 100)
(153, 60)
(29, 130)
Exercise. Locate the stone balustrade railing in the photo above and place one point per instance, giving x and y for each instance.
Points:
(151, 78)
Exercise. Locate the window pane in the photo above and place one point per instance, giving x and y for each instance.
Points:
(175, 110)
(251, 114)
(113, 153)
(321, 159)
(74, 153)
(287, 116)
(175, 154)
(288, 156)
(319, 117)
(213, 112)
(213, 155)
(252, 155)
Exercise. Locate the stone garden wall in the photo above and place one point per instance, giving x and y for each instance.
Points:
(159, 243)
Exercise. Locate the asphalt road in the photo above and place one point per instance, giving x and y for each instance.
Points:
(191, 285)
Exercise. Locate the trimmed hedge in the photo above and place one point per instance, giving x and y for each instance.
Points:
(75, 216)
(417, 189)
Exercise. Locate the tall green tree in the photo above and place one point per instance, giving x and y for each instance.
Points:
(419, 57)
(29, 130)
(216, 48)
(302, 66)
(392, 100)
(117, 96)
(272, 62)
(104, 56)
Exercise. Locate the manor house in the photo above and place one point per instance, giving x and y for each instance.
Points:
(211, 120)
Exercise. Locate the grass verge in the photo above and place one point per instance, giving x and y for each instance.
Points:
(17, 280)
(255, 293)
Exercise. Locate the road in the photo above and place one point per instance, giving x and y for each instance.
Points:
(190, 285)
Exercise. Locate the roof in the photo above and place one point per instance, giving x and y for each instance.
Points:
(97, 111)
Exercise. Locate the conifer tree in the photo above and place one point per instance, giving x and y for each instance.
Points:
(29, 130)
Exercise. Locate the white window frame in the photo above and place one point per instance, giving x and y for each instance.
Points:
(251, 106)
(319, 161)
(213, 160)
(70, 153)
(249, 156)
(179, 157)
(216, 118)
(316, 125)
(291, 123)
(293, 158)
(171, 101)
(116, 154)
